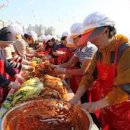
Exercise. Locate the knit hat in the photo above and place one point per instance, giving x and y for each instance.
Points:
(7, 34)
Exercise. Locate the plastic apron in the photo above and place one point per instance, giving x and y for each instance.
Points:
(74, 81)
(116, 117)
(3, 91)
(47, 52)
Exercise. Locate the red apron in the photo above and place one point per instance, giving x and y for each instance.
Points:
(3, 91)
(47, 52)
(116, 117)
(75, 79)
(74, 82)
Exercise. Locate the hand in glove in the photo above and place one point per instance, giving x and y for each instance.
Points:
(60, 53)
(79, 93)
(31, 68)
(60, 70)
(55, 66)
(19, 78)
(94, 106)
(28, 67)
(70, 95)
(14, 85)
(74, 99)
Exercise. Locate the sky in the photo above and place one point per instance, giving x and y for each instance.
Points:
(61, 14)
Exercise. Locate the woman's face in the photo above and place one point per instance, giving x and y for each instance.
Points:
(30, 40)
(50, 43)
(101, 41)
(75, 40)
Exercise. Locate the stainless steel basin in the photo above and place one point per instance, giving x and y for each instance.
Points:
(57, 114)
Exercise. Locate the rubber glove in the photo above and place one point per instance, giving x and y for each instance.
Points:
(14, 85)
(94, 106)
(19, 78)
(60, 70)
(28, 67)
(55, 66)
(80, 92)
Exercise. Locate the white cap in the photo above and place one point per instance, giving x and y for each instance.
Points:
(33, 34)
(65, 34)
(76, 29)
(42, 37)
(47, 38)
(95, 20)
(17, 28)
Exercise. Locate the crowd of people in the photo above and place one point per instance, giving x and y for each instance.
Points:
(93, 58)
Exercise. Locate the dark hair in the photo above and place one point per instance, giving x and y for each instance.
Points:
(63, 38)
(53, 39)
(26, 36)
(112, 31)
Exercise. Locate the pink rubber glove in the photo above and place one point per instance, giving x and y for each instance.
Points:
(14, 85)
(94, 106)
(19, 78)
(60, 70)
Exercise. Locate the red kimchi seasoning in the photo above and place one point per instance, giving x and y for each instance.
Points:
(42, 116)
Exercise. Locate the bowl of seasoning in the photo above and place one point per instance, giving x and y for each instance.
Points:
(46, 114)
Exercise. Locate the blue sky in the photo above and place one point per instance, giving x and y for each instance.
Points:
(62, 13)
